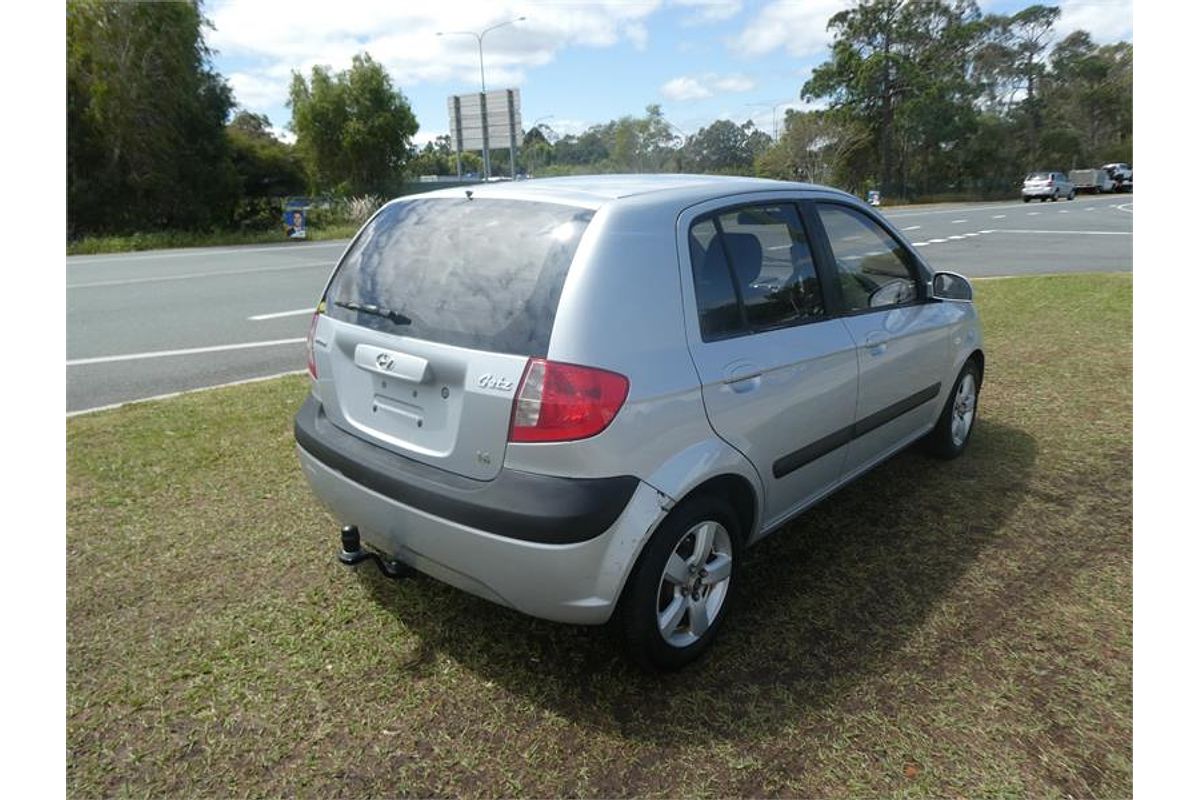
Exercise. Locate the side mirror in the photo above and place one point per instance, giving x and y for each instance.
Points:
(952, 286)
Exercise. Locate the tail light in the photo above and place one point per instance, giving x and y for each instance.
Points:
(563, 402)
(308, 345)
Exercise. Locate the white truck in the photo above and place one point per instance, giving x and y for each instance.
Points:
(1092, 180)
(1121, 174)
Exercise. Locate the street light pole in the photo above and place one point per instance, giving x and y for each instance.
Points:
(774, 115)
(487, 163)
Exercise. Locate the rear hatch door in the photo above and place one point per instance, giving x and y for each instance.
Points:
(436, 309)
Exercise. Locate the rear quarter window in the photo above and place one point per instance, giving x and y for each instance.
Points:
(484, 273)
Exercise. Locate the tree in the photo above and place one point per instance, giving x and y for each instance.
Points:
(724, 146)
(811, 148)
(353, 129)
(904, 73)
(146, 143)
(1030, 30)
(863, 77)
(1091, 91)
(266, 167)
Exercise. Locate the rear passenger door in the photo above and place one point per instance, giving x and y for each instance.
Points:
(902, 336)
(778, 372)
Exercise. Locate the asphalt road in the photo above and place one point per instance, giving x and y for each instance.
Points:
(240, 313)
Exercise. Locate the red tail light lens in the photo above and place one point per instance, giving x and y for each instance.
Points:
(562, 402)
(308, 346)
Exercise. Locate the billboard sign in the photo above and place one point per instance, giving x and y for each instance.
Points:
(485, 121)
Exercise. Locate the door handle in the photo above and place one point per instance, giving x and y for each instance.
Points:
(876, 342)
(743, 377)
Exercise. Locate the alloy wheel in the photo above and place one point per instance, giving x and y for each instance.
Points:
(963, 412)
(694, 583)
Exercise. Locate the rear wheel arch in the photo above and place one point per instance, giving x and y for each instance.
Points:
(732, 488)
(738, 492)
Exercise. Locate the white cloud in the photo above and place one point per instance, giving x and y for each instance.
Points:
(685, 87)
(256, 90)
(1106, 22)
(705, 12)
(799, 28)
(274, 39)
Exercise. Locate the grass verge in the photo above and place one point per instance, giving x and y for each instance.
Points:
(162, 240)
(935, 629)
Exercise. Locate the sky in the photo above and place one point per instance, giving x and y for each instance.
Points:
(576, 63)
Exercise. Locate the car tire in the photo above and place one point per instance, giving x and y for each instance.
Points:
(1026, 199)
(950, 435)
(1071, 195)
(661, 628)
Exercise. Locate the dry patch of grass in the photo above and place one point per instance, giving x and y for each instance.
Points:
(934, 629)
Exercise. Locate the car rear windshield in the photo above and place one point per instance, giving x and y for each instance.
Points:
(1038, 176)
(485, 273)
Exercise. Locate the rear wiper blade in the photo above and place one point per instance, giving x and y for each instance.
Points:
(378, 311)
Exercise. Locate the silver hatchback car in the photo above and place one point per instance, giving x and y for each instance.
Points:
(1047, 186)
(584, 397)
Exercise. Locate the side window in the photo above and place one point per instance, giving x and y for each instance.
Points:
(873, 269)
(716, 301)
(772, 265)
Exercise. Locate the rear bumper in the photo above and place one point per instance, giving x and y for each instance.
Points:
(517, 505)
(576, 579)
(1047, 191)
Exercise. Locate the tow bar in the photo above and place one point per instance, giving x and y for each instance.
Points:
(353, 553)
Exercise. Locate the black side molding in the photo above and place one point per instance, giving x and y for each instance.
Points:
(518, 505)
(827, 444)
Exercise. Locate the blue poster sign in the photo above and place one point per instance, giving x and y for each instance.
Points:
(295, 222)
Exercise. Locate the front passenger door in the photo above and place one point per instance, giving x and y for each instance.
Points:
(902, 337)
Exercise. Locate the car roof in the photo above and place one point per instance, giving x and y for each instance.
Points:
(596, 190)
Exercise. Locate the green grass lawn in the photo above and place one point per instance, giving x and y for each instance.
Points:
(935, 629)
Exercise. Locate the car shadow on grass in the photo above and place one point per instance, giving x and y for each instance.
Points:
(819, 606)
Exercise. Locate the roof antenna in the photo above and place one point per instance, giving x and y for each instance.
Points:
(469, 194)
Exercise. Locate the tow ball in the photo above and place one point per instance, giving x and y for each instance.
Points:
(353, 553)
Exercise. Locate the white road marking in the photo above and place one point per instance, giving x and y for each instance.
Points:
(1064, 211)
(955, 237)
(278, 314)
(191, 275)
(956, 221)
(936, 241)
(1126, 207)
(1090, 208)
(1000, 216)
(108, 258)
(189, 351)
(956, 210)
(1034, 213)
(169, 395)
(970, 234)
(911, 228)
(1070, 233)
(919, 244)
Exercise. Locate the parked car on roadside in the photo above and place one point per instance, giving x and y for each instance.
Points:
(585, 397)
(1047, 186)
